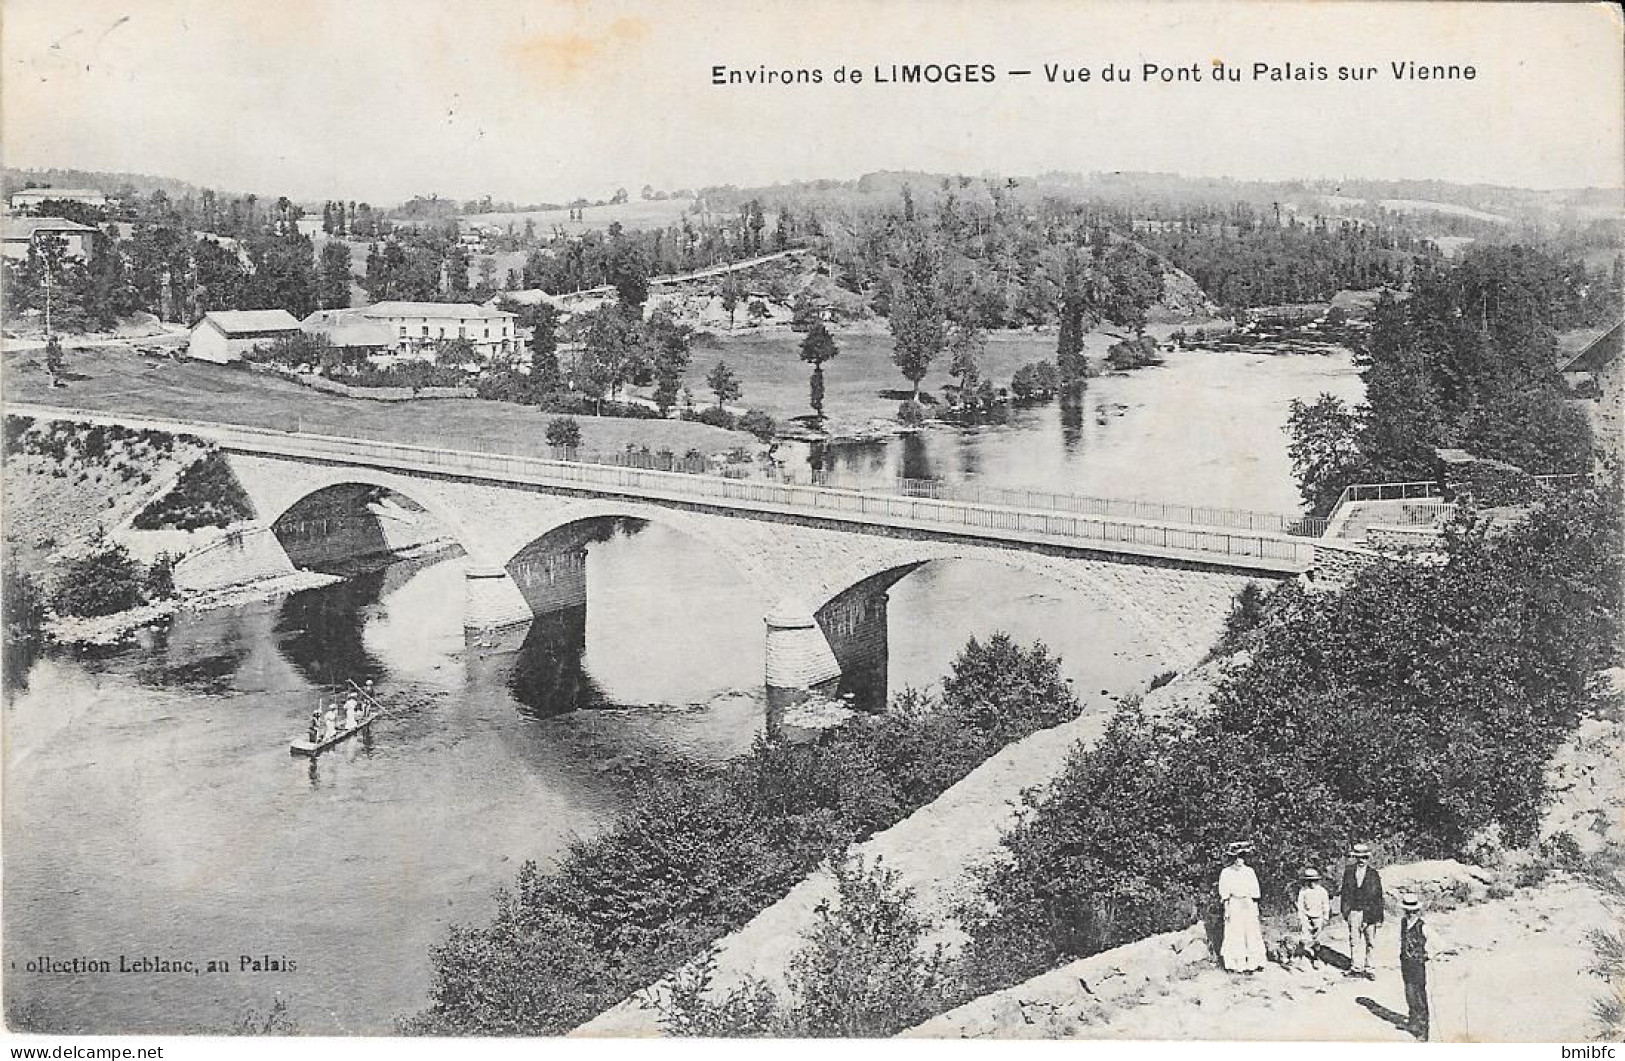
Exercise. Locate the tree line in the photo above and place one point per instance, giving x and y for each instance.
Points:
(1469, 360)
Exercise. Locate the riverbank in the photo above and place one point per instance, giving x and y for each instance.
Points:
(935, 852)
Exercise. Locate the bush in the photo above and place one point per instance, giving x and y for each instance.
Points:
(759, 424)
(103, 580)
(159, 582)
(1133, 353)
(564, 432)
(207, 494)
(713, 415)
(1037, 380)
(859, 973)
(911, 413)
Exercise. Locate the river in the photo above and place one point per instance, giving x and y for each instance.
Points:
(152, 808)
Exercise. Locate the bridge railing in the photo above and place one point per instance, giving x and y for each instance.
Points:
(1065, 527)
(972, 493)
(1084, 505)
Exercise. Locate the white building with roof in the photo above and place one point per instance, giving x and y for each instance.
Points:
(20, 233)
(420, 327)
(227, 335)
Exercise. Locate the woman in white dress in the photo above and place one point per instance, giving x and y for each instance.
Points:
(1243, 949)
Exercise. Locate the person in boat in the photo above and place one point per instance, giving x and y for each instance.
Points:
(332, 718)
(316, 724)
(352, 713)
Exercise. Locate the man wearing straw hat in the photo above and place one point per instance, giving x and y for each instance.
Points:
(1413, 963)
(1360, 900)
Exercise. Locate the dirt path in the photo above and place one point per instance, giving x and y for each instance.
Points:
(1517, 974)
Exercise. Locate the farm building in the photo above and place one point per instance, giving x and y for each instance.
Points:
(226, 335)
(21, 233)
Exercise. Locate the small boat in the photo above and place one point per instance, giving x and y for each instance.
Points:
(372, 712)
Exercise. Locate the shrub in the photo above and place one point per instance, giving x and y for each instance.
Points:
(911, 413)
(1133, 353)
(759, 424)
(1037, 380)
(207, 494)
(159, 582)
(859, 973)
(713, 415)
(564, 432)
(103, 580)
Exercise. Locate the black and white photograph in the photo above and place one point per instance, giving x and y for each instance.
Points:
(940, 519)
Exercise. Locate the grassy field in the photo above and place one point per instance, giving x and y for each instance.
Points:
(636, 214)
(116, 380)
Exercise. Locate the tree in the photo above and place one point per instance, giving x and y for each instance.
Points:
(614, 351)
(1325, 456)
(1134, 283)
(543, 321)
(1401, 424)
(918, 322)
(756, 311)
(724, 384)
(284, 275)
(629, 273)
(817, 348)
(333, 283)
(733, 290)
(671, 342)
(564, 432)
(1069, 358)
(55, 363)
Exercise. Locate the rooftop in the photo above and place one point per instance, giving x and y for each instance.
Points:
(23, 228)
(449, 310)
(60, 193)
(252, 321)
(347, 327)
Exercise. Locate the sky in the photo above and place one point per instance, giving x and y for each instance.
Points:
(546, 100)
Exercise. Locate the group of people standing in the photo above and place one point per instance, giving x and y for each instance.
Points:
(1360, 903)
(328, 720)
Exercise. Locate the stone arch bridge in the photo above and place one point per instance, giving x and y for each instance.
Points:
(824, 558)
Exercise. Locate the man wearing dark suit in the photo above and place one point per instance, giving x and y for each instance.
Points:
(1361, 903)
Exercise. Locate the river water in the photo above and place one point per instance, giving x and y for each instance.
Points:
(152, 808)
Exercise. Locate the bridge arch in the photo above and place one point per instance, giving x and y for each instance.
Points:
(736, 541)
(272, 506)
(1178, 612)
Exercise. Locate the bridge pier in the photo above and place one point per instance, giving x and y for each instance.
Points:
(799, 657)
(492, 600)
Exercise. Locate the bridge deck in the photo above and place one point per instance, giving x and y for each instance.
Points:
(1261, 552)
